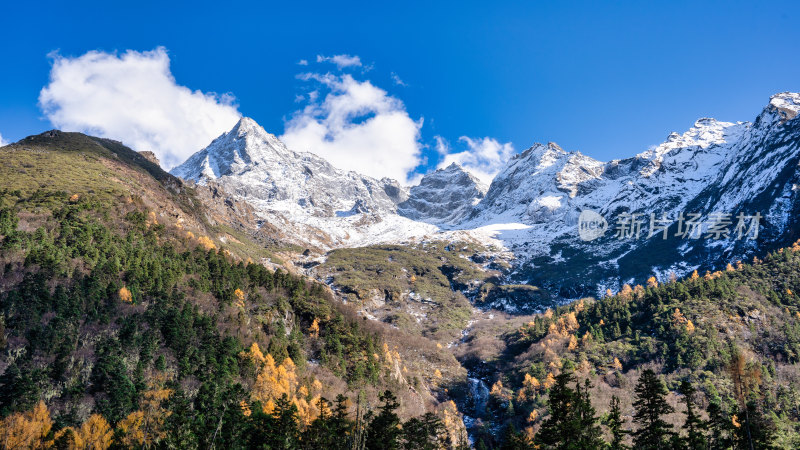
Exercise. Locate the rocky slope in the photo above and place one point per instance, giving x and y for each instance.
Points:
(444, 197)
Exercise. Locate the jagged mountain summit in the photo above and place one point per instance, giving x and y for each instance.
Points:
(716, 170)
(444, 197)
(328, 207)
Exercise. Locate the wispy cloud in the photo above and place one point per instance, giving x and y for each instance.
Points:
(356, 126)
(133, 97)
(3, 141)
(341, 61)
(397, 80)
(483, 157)
(302, 62)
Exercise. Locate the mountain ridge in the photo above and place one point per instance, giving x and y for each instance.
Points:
(532, 206)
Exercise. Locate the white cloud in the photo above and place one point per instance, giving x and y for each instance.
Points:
(302, 62)
(134, 98)
(341, 61)
(397, 80)
(356, 126)
(3, 141)
(484, 157)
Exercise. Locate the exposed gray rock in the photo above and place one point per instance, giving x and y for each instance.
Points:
(444, 197)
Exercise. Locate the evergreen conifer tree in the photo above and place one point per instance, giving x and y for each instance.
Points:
(651, 406)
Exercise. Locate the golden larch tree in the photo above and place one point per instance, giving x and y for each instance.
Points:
(314, 328)
(26, 430)
(125, 295)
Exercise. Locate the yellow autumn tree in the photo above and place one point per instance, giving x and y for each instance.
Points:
(498, 390)
(314, 328)
(274, 381)
(206, 243)
(549, 381)
(652, 282)
(26, 430)
(626, 291)
(573, 343)
(695, 275)
(238, 294)
(245, 407)
(94, 434)
(678, 319)
(571, 322)
(452, 421)
(131, 429)
(147, 425)
(151, 219)
(530, 385)
(125, 295)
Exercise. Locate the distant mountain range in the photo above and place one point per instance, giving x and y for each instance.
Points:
(728, 174)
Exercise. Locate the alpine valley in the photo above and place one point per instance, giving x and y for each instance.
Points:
(259, 297)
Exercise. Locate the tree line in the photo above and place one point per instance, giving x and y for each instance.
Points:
(573, 424)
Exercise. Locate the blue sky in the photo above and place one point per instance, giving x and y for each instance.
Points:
(608, 79)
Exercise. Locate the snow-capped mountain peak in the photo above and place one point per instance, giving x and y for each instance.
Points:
(715, 167)
(705, 133)
(247, 144)
(325, 205)
(786, 104)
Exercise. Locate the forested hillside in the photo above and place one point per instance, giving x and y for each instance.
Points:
(127, 321)
(728, 342)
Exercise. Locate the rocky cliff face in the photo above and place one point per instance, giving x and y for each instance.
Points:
(444, 197)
